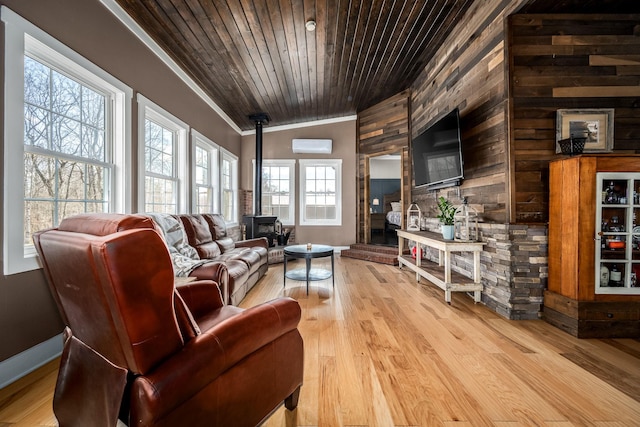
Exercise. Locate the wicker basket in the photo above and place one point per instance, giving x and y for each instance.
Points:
(572, 145)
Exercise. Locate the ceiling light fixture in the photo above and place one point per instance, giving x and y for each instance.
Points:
(310, 25)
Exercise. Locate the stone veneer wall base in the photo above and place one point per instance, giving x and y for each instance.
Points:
(514, 267)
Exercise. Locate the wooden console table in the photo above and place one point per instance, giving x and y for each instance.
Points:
(442, 277)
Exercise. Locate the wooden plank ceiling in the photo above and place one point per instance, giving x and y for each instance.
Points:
(254, 56)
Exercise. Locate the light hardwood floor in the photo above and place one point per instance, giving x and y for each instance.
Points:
(382, 350)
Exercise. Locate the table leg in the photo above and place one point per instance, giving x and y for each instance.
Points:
(308, 260)
(284, 281)
(476, 267)
(477, 295)
(333, 276)
(418, 260)
(447, 267)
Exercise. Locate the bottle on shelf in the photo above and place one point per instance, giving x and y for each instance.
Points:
(617, 255)
(614, 224)
(604, 275)
(621, 192)
(612, 196)
(615, 276)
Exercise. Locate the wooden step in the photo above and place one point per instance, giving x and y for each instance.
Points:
(373, 253)
(391, 250)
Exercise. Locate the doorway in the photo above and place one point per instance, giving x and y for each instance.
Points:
(384, 198)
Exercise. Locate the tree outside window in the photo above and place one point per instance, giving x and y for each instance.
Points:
(66, 161)
(160, 180)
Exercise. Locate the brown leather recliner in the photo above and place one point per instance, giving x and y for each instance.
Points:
(139, 349)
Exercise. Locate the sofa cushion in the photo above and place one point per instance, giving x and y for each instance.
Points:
(197, 229)
(226, 244)
(217, 225)
(209, 250)
(103, 224)
(248, 256)
(263, 252)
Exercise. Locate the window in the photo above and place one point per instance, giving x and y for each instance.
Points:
(278, 189)
(163, 179)
(320, 189)
(206, 168)
(65, 138)
(229, 184)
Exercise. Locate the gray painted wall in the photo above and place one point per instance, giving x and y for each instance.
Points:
(277, 145)
(28, 315)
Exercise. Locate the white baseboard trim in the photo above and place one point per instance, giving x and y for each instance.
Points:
(29, 360)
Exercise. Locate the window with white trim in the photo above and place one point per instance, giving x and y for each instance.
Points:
(206, 167)
(163, 161)
(320, 192)
(229, 186)
(278, 189)
(65, 138)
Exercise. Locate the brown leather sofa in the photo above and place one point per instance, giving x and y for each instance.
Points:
(207, 233)
(140, 349)
(199, 243)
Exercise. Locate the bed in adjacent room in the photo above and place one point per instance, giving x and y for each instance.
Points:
(393, 211)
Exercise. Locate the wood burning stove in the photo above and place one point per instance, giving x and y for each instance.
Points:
(258, 225)
(261, 226)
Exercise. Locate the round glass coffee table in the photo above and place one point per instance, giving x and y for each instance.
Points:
(308, 252)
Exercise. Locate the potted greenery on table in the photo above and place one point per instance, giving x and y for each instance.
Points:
(446, 216)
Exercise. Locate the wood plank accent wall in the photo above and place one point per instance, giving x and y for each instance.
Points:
(383, 129)
(469, 72)
(567, 61)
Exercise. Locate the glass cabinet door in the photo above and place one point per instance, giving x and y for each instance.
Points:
(617, 233)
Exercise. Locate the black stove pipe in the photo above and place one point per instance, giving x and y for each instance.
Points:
(257, 195)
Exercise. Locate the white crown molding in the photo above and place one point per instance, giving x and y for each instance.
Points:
(128, 22)
(302, 125)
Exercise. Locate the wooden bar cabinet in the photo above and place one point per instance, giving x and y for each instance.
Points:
(594, 254)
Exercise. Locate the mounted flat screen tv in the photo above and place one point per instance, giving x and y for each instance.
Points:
(437, 154)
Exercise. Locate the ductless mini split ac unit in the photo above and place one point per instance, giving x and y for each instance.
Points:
(311, 146)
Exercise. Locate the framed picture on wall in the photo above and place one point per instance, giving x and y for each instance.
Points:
(594, 124)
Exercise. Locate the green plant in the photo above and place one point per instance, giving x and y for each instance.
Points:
(447, 211)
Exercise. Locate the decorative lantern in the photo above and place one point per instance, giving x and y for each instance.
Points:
(466, 223)
(413, 217)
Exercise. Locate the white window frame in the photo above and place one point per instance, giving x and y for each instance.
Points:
(201, 141)
(148, 109)
(233, 159)
(304, 164)
(20, 37)
(291, 164)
